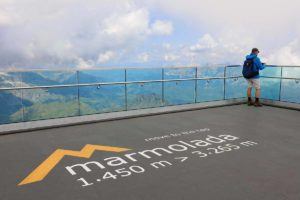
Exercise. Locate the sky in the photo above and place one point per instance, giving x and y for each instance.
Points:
(61, 34)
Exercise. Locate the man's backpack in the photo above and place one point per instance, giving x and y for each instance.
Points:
(248, 69)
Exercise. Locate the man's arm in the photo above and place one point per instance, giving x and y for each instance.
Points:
(259, 64)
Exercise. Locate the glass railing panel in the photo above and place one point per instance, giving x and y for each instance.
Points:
(48, 78)
(72, 101)
(144, 74)
(10, 79)
(144, 95)
(210, 90)
(235, 88)
(206, 72)
(179, 73)
(50, 103)
(271, 71)
(291, 72)
(179, 92)
(234, 71)
(290, 90)
(270, 88)
(101, 76)
(11, 106)
(102, 99)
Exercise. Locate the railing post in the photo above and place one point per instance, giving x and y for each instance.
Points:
(163, 86)
(196, 83)
(280, 84)
(224, 91)
(126, 100)
(22, 102)
(78, 93)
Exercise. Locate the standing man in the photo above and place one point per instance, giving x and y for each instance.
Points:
(251, 68)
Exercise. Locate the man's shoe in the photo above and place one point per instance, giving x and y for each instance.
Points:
(258, 104)
(250, 103)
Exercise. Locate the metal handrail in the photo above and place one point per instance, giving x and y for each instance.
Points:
(106, 68)
(128, 67)
(278, 77)
(114, 83)
(267, 66)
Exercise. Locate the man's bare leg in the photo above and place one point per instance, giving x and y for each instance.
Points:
(257, 93)
(249, 92)
(250, 102)
(257, 96)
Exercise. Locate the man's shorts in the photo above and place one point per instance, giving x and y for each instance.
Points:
(253, 82)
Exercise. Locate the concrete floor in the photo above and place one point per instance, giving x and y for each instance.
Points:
(266, 169)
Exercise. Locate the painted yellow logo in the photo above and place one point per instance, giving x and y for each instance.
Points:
(45, 167)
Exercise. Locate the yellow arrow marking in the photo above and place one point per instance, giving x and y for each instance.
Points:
(45, 167)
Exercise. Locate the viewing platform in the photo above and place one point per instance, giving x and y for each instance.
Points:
(149, 133)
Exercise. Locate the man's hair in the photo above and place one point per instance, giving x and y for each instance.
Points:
(255, 50)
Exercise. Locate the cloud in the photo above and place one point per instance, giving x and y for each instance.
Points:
(143, 57)
(215, 50)
(237, 26)
(287, 55)
(162, 27)
(4, 19)
(206, 42)
(105, 57)
(170, 57)
(128, 25)
(167, 46)
(64, 33)
(83, 64)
